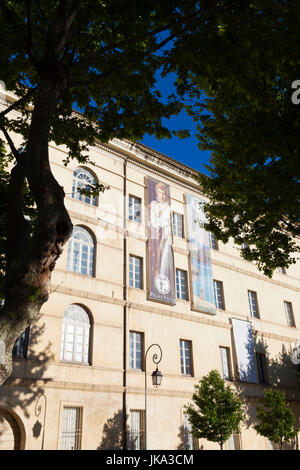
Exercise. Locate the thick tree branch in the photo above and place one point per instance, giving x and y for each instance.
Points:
(13, 149)
(59, 31)
(18, 103)
(66, 28)
(30, 53)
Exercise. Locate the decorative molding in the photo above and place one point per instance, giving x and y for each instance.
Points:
(83, 276)
(89, 295)
(192, 316)
(182, 251)
(274, 336)
(251, 274)
(179, 315)
(137, 235)
(95, 322)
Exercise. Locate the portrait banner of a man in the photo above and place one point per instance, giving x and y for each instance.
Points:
(160, 252)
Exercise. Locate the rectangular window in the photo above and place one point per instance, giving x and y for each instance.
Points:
(137, 430)
(224, 352)
(135, 272)
(186, 357)
(281, 270)
(219, 294)
(181, 284)
(134, 209)
(289, 313)
(213, 241)
(178, 225)
(253, 304)
(188, 440)
(233, 442)
(136, 350)
(261, 368)
(71, 428)
(21, 346)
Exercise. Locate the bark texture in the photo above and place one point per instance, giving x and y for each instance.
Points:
(31, 257)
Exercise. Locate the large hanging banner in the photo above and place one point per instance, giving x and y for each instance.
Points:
(203, 297)
(244, 346)
(160, 252)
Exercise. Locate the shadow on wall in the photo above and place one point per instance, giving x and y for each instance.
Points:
(24, 389)
(187, 441)
(113, 436)
(281, 374)
(112, 433)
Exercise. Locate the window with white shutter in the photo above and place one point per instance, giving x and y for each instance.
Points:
(253, 304)
(136, 346)
(186, 357)
(289, 313)
(135, 272)
(178, 225)
(224, 352)
(137, 430)
(71, 428)
(181, 284)
(189, 442)
(134, 209)
(233, 442)
(219, 295)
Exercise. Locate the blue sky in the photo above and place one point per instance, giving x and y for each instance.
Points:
(184, 150)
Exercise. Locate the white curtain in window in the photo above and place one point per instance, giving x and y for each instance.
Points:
(137, 429)
(188, 439)
(71, 428)
(75, 335)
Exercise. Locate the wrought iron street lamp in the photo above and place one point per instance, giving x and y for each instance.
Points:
(156, 381)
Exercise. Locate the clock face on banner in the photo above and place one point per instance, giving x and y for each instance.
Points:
(162, 284)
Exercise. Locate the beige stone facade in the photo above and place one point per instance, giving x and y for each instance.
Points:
(37, 402)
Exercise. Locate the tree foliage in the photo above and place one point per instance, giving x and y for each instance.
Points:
(275, 420)
(102, 57)
(238, 68)
(216, 412)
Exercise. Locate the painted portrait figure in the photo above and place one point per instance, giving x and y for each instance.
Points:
(160, 242)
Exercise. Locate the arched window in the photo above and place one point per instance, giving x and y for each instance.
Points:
(83, 179)
(75, 337)
(81, 252)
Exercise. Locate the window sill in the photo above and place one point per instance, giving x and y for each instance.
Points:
(74, 363)
(136, 371)
(95, 206)
(138, 289)
(85, 276)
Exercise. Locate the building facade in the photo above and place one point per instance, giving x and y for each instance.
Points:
(137, 273)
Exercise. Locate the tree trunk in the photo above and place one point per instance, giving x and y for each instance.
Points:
(31, 257)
